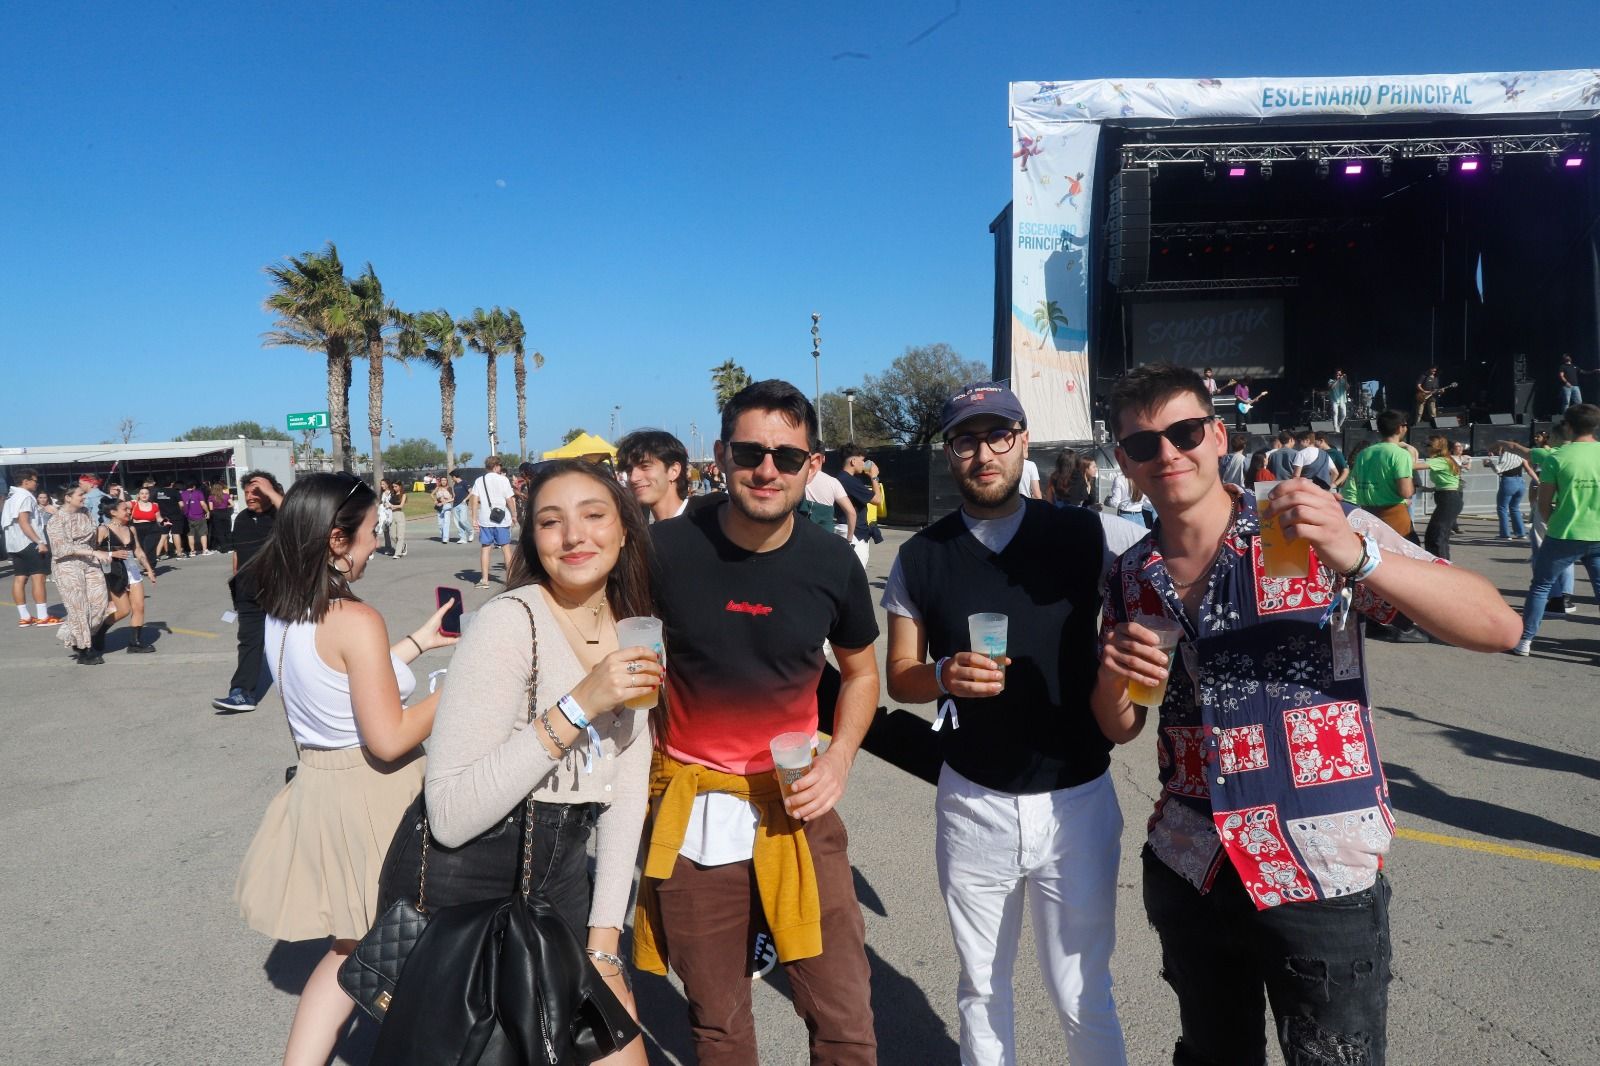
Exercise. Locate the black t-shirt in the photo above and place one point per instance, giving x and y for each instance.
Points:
(744, 633)
(168, 499)
(250, 532)
(462, 490)
(1428, 383)
(859, 489)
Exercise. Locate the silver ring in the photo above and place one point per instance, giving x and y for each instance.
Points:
(633, 668)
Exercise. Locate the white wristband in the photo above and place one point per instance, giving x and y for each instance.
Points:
(573, 710)
(938, 675)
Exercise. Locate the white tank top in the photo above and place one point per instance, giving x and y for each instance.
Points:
(315, 695)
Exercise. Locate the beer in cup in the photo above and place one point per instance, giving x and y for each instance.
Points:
(642, 633)
(791, 758)
(987, 632)
(1280, 556)
(1169, 633)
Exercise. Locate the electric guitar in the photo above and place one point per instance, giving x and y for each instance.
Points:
(1424, 395)
(1244, 406)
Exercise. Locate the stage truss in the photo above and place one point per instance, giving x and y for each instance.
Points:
(1266, 153)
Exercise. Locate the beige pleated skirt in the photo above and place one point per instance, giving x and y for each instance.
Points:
(312, 869)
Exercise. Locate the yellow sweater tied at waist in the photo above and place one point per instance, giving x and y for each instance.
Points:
(785, 878)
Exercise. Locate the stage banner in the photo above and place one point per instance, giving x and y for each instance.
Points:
(1052, 173)
(1528, 92)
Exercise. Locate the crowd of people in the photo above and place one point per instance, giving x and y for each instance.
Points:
(553, 727)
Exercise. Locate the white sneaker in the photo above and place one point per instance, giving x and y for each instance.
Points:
(1523, 647)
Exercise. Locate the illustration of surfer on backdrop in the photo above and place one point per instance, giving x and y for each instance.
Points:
(1074, 189)
(1028, 147)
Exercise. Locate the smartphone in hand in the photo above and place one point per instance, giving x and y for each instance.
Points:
(450, 626)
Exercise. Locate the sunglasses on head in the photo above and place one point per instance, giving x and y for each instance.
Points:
(786, 457)
(1185, 434)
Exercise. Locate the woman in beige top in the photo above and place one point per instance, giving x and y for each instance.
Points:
(583, 561)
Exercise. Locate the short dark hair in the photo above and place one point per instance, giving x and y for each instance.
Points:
(1582, 419)
(644, 444)
(295, 579)
(773, 395)
(1302, 434)
(1320, 437)
(628, 584)
(492, 462)
(1144, 388)
(1284, 436)
(1238, 442)
(1389, 422)
(264, 476)
(109, 504)
(851, 450)
(23, 473)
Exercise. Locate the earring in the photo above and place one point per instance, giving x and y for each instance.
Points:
(333, 564)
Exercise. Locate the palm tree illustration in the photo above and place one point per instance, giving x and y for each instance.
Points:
(1047, 319)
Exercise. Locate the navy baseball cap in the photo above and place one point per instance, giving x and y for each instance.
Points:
(981, 398)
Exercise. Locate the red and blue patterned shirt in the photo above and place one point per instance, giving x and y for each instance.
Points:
(1265, 743)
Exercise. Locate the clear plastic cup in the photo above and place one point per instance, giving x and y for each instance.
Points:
(791, 757)
(1281, 556)
(1169, 633)
(642, 632)
(987, 632)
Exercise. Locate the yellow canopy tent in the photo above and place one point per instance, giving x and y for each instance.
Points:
(581, 447)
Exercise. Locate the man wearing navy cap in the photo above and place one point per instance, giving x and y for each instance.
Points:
(1025, 804)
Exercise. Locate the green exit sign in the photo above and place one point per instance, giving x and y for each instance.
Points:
(309, 420)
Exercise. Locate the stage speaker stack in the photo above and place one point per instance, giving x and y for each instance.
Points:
(1522, 399)
(1503, 419)
(1128, 229)
(1447, 421)
(1259, 429)
(1320, 426)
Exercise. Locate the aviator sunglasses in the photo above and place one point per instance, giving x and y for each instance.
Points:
(1185, 434)
(749, 455)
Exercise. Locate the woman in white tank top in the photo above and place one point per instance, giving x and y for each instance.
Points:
(312, 868)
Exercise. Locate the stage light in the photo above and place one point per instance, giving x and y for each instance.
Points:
(1210, 171)
(1442, 165)
(1266, 171)
(1386, 166)
(1351, 169)
(1322, 168)
(1573, 161)
(1496, 164)
(1236, 172)
(1469, 165)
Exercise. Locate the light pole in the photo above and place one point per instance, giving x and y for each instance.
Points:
(694, 442)
(616, 420)
(850, 408)
(816, 356)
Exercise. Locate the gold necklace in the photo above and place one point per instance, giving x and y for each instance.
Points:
(598, 606)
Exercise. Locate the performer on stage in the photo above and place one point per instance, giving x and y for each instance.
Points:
(1428, 389)
(1210, 381)
(1243, 401)
(1339, 398)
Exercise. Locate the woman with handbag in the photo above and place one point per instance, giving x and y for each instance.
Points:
(130, 567)
(534, 704)
(312, 869)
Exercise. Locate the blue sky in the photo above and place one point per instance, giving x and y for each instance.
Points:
(655, 187)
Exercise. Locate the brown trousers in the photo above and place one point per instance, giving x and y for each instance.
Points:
(710, 916)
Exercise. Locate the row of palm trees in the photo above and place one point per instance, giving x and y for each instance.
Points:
(317, 308)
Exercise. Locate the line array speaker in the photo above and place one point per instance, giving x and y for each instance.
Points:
(1128, 229)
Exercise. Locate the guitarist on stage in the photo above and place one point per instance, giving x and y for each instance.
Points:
(1243, 401)
(1428, 389)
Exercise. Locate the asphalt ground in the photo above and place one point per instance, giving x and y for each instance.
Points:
(128, 803)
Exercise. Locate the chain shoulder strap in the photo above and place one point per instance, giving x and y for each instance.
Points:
(533, 711)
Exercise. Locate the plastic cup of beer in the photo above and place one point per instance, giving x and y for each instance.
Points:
(1280, 555)
(791, 757)
(1169, 633)
(642, 633)
(987, 632)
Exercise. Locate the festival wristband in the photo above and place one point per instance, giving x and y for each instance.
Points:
(574, 712)
(938, 676)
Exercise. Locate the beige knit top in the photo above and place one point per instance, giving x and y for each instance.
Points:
(484, 757)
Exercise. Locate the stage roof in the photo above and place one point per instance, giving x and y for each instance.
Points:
(1567, 93)
(109, 453)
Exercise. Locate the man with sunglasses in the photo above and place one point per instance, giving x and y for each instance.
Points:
(1025, 805)
(1261, 867)
(748, 595)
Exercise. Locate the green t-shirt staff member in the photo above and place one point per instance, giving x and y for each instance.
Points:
(1569, 500)
(1383, 475)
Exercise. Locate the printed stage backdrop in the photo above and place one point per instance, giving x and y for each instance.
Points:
(1055, 135)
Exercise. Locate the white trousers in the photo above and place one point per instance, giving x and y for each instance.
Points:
(1062, 848)
(862, 548)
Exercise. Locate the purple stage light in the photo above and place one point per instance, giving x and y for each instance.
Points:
(1352, 168)
(1575, 161)
(1469, 164)
(1239, 172)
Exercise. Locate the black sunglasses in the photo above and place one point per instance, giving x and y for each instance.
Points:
(1000, 441)
(786, 457)
(1186, 434)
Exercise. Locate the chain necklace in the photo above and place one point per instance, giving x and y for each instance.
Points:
(595, 608)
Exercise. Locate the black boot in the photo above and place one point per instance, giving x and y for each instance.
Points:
(137, 646)
(90, 656)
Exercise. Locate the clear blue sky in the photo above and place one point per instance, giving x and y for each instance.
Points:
(655, 187)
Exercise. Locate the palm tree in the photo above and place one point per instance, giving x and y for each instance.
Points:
(488, 333)
(518, 338)
(312, 301)
(1047, 318)
(434, 336)
(727, 380)
(374, 315)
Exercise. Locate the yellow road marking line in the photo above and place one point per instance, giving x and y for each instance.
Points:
(172, 629)
(1510, 852)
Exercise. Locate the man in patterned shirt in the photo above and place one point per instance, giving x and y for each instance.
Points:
(1261, 870)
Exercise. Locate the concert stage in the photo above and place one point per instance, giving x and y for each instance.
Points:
(1276, 230)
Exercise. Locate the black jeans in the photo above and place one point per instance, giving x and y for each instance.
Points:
(1442, 523)
(1323, 966)
(489, 866)
(252, 638)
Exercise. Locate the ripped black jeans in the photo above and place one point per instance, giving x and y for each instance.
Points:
(1323, 966)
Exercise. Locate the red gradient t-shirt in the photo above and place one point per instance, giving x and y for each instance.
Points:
(744, 633)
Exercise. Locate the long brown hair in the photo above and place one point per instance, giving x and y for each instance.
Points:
(296, 579)
(628, 584)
